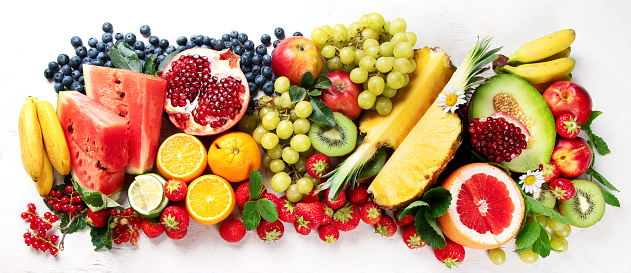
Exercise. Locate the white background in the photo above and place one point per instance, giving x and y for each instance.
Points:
(34, 34)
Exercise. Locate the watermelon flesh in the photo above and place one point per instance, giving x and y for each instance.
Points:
(98, 141)
(137, 97)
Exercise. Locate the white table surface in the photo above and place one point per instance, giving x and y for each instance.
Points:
(35, 33)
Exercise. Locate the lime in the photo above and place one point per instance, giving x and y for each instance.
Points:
(146, 194)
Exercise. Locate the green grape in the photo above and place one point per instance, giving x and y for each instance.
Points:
(303, 109)
(397, 25)
(359, 75)
(565, 232)
(389, 92)
(258, 133)
(412, 64)
(284, 130)
(383, 106)
(371, 47)
(406, 79)
(277, 165)
(359, 54)
(301, 126)
(559, 244)
(542, 220)
(368, 64)
(364, 21)
(370, 33)
(327, 29)
(264, 110)
(270, 120)
(300, 143)
(285, 100)
(497, 256)
(301, 164)
(275, 153)
(411, 37)
(384, 64)
(276, 100)
(292, 115)
(401, 65)
(292, 193)
(304, 185)
(555, 225)
(264, 100)
(247, 124)
(353, 29)
(269, 140)
(334, 63)
(395, 79)
(349, 67)
(281, 85)
(265, 160)
(376, 21)
(403, 50)
(386, 48)
(528, 256)
(376, 84)
(340, 33)
(399, 38)
(347, 55)
(366, 99)
(319, 36)
(290, 156)
(328, 51)
(280, 182)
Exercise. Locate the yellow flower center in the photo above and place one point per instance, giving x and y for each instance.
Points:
(530, 180)
(451, 100)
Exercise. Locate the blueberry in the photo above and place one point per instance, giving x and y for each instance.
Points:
(59, 87)
(227, 44)
(67, 81)
(62, 59)
(234, 34)
(130, 38)
(279, 32)
(199, 41)
(169, 49)
(92, 42)
(81, 81)
(208, 41)
(81, 51)
(96, 62)
(75, 74)
(265, 39)
(235, 41)
(190, 44)
(139, 45)
(107, 37)
(259, 80)
(154, 40)
(257, 59)
(218, 45)
(181, 40)
(256, 69)
(48, 73)
(273, 78)
(246, 68)
(239, 50)
(164, 43)
(145, 30)
(266, 71)
(108, 46)
(249, 76)
(100, 46)
(119, 36)
(276, 43)
(103, 56)
(66, 69)
(253, 88)
(242, 37)
(157, 51)
(225, 37)
(75, 41)
(77, 87)
(74, 62)
(181, 48)
(86, 60)
(267, 60)
(297, 33)
(249, 45)
(160, 58)
(108, 64)
(107, 27)
(140, 53)
(268, 88)
(193, 39)
(92, 52)
(149, 49)
(261, 50)
(57, 76)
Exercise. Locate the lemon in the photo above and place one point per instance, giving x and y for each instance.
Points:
(146, 194)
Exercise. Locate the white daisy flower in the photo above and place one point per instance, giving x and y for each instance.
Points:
(531, 181)
(451, 99)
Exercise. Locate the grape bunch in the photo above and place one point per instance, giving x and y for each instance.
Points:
(377, 53)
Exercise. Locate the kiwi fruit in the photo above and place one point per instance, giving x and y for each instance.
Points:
(586, 207)
(544, 196)
(335, 140)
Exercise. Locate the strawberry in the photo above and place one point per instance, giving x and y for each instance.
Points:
(550, 170)
(301, 226)
(175, 189)
(327, 217)
(386, 227)
(270, 231)
(176, 234)
(358, 195)
(99, 218)
(311, 213)
(338, 202)
(272, 197)
(286, 210)
(450, 255)
(243, 193)
(562, 189)
(347, 217)
(567, 126)
(406, 220)
(329, 234)
(311, 197)
(318, 165)
(371, 213)
(174, 218)
(232, 230)
(411, 238)
(151, 228)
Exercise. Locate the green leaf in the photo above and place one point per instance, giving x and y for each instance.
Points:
(428, 229)
(601, 146)
(321, 112)
(255, 185)
(438, 199)
(166, 60)
(251, 217)
(78, 224)
(601, 179)
(95, 200)
(544, 242)
(297, 94)
(150, 65)
(412, 208)
(611, 199)
(101, 238)
(527, 236)
(124, 57)
(586, 126)
(537, 208)
(323, 82)
(267, 210)
(307, 79)
(315, 92)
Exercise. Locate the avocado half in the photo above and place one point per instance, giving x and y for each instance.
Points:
(516, 97)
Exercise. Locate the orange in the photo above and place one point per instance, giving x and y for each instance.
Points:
(210, 199)
(487, 208)
(233, 156)
(181, 156)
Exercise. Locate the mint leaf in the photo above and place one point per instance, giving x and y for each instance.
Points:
(537, 208)
(251, 217)
(323, 82)
(601, 146)
(101, 238)
(255, 185)
(267, 210)
(543, 243)
(527, 236)
(150, 65)
(166, 60)
(428, 229)
(124, 57)
(307, 79)
(611, 199)
(601, 179)
(586, 126)
(412, 208)
(438, 199)
(297, 94)
(321, 112)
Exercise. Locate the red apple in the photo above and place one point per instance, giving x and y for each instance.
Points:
(565, 96)
(342, 95)
(296, 55)
(573, 156)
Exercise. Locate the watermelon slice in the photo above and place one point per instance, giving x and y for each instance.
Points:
(98, 141)
(137, 97)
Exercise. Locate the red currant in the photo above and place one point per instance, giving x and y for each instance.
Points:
(114, 212)
(69, 189)
(31, 207)
(41, 233)
(53, 218)
(53, 239)
(31, 218)
(47, 215)
(124, 222)
(43, 247)
(35, 244)
(129, 211)
(29, 240)
(65, 200)
(77, 199)
(26, 235)
(24, 215)
(57, 206)
(79, 207)
(72, 208)
(34, 226)
(65, 207)
(54, 251)
(133, 241)
(118, 241)
(51, 202)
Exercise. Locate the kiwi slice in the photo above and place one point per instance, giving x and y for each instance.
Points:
(587, 206)
(372, 167)
(544, 196)
(335, 140)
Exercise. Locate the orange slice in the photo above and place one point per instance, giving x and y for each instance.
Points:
(210, 199)
(181, 156)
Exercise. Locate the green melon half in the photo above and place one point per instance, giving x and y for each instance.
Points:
(516, 97)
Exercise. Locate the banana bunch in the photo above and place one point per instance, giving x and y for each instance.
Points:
(543, 61)
(42, 144)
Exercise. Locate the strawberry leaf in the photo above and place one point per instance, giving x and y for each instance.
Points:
(601, 179)
(101, 238)
(535, 208)
(267, 210)
(412, 208)
(251, 217)
(611, 199)
(255, 186)
(438, 199)
(428, 229)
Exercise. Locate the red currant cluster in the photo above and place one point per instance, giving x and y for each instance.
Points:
(125, 225)
(37, 235)
(67, 201)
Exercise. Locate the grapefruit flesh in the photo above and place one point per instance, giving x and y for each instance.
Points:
(487, 207)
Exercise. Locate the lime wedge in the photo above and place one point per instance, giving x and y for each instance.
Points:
(145, 194)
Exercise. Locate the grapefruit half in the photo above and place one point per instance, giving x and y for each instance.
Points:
(487, 208)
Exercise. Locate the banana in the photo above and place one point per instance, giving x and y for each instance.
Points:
(543, 72)
(563, 54)
(54, 138)
(541, 87)
(31, 142)
(47, 179)
(543, 47)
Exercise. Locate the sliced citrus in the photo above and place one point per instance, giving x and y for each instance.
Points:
(145, 193)
(182, 156)
(210, 199)
(234, 156)
(487, 208)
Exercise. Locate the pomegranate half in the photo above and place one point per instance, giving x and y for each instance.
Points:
(207, 92)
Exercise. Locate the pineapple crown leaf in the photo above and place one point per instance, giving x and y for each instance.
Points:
(476, 62)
